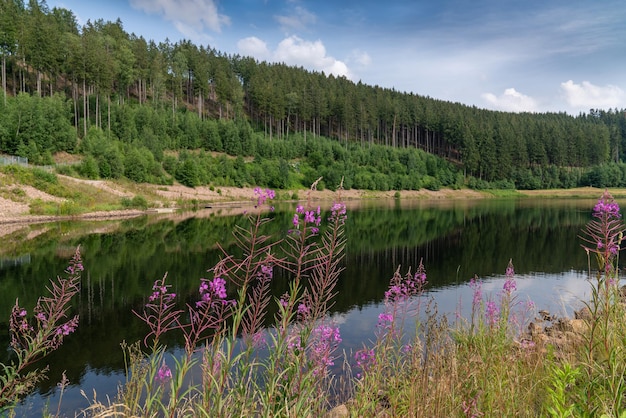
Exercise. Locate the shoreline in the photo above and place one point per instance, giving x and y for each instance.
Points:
(229, 198)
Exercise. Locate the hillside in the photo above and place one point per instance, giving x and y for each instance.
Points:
(150, 112)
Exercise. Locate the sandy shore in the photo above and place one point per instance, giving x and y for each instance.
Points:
(228, 200)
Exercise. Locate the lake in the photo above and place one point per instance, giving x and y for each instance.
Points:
(455, 239)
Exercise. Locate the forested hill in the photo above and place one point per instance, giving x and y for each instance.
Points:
(125, 102)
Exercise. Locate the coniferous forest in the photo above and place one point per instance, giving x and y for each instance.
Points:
(130, 107)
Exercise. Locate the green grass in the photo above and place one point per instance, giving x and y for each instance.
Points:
(503, 193)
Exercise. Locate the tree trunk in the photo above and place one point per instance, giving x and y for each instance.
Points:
(75, 101)
(85, 108)
(109, 114)
(4, 77)
(39, 83)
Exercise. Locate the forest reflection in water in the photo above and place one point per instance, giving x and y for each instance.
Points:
(455, 239)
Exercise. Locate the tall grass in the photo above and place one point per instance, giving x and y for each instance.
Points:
(421, 363)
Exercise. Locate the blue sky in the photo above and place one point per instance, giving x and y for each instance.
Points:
(522, 55)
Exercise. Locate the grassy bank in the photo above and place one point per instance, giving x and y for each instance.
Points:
(38, 192)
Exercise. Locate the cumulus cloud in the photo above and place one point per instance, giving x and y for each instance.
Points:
(360, 58)
(299, 20)
(297, 52)
(511, 101)
(589, 96)
(189, 16)
(254, 47)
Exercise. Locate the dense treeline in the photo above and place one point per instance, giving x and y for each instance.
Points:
(156, 112)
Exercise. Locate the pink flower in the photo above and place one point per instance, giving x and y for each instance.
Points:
(164, 374)
(383, 318)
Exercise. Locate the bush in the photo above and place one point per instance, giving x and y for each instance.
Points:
(137, 201)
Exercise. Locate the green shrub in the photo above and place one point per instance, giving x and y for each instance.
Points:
(45, 176)
(69, 208)
(16, 191)
(66, 170)
(138, 202)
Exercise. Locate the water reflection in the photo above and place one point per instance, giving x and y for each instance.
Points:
(455, 240)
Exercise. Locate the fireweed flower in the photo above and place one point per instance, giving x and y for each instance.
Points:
(326, 339)
(263, 195)
(338, 213)
(67, 328)
(385, 320)
(303, 310)
(606, 207)
(477, 291)
(509, 284)
(603, 234)
(266, 272)
(164, 374)
(492, 312)
(403, 287)
(258, 339)
(283, 301)
(160, 291)
(365, 358)
(212, 291)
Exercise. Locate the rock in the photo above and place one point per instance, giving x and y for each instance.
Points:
(340, 411)
(545, 315)
(584, 313)
(534, 329)
(579, 326)
(563, 325)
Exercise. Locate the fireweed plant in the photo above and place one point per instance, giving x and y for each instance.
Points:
(601, 391)
(602, 237)
(377, 368)
(35, 335)
(444, 370)
(244, 368)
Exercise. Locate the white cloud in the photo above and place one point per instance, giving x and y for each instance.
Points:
(297, 21)
(254, 47)
(296, 52)
(360, 58)
(589, 96)
(311, 55)
(511, 101)
(189, 32)
(189, 16)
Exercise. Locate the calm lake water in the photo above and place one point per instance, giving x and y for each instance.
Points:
(455, 239)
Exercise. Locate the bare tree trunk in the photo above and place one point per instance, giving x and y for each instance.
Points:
(85, 108)
(75, 100)
(4, 77)
(39, 83)
(98, 117)
(109, 114)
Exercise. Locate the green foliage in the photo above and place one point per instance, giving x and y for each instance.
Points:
(89, 168)
(187, 173)
(137, 202)
(122, 94)
(562, 379)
